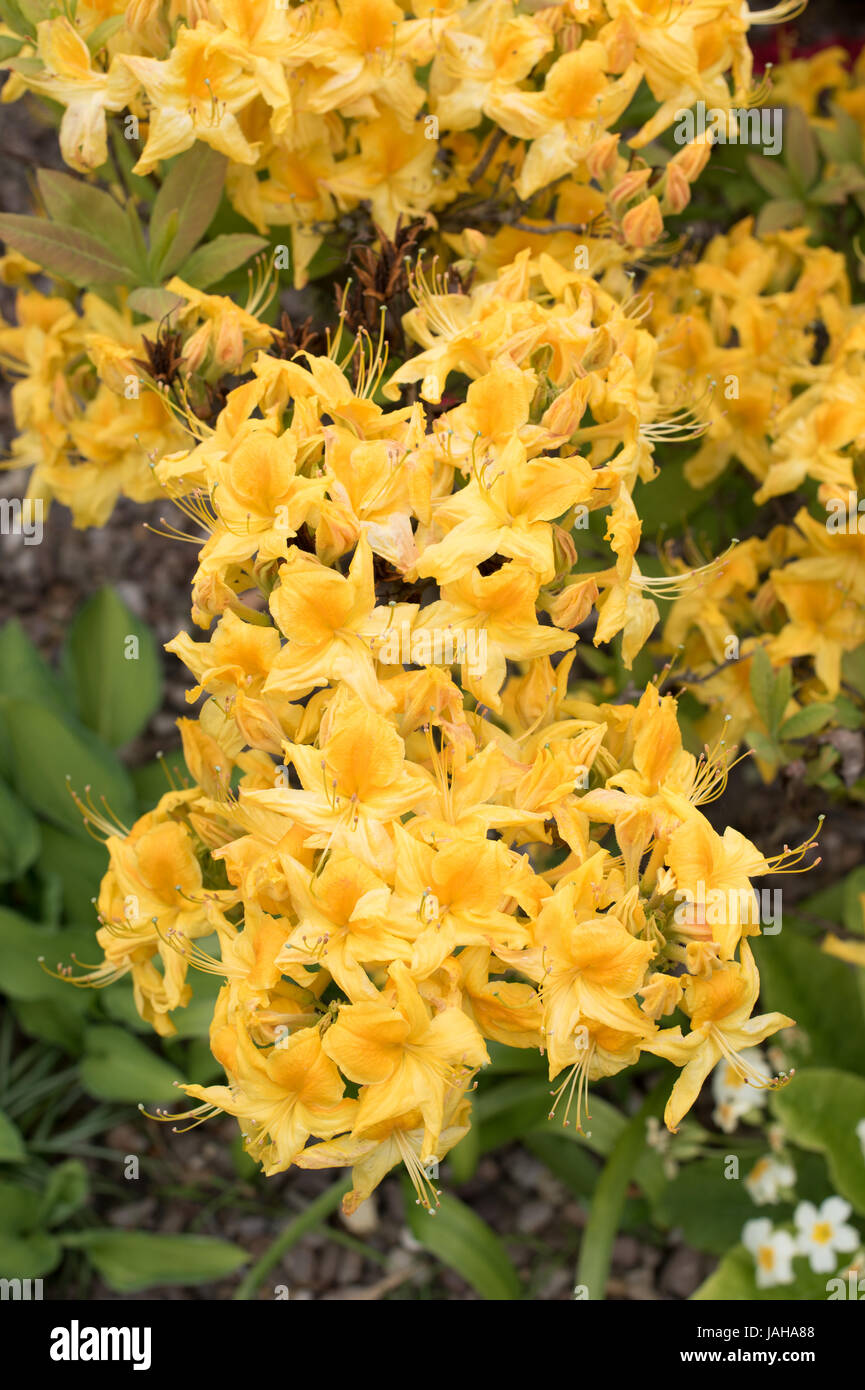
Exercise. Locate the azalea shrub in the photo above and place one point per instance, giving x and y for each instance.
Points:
(525, 504)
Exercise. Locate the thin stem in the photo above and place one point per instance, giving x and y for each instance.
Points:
(609, 1196)
(315, 1213)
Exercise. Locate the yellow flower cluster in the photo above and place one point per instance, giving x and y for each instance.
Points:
(400, 868)
(408, 839)
(322, 104)
(769, 321)
(84, 426)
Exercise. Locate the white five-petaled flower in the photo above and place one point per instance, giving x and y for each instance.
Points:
(822, 1234)
(773, 1252)
(768, 1178)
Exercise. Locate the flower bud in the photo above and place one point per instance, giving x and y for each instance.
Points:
(602, 155)
(643, 224)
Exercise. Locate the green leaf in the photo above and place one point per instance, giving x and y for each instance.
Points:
(668, 499)
(820, 1110)
(75, 203)
(709, 1208)
(12, 1147)
(118, 1066)
(572, 1165)
(65, 1193)
(26, 1251)
(514, 1109)
(28, 1256)
(161, 241)
(609, 1196)
(37, 10)
(816, 990)
(153, 302)
(509, 1061)
(195, 1019)
(762, 682)
(49, 756)
(28, 67)
(189, 197)
(57, 1021)
(79, 866)
(113, 661)
(771, 175)
(763, 746)
(779, 215)
(780, 697)
(805, 721)
(24, 674)
(463, 1159)
(14, 17)
(508, 1110)
(22, 943)
(132, 1260)
(9, 46)
(827, 903)
(215, 260)
(104, 31)
(734, 1281)
(64, 251)
(800, 148)
(134, 238)
(19, 835)
(849, 179)
(458, 1237)
(844, 141)
(853, 910)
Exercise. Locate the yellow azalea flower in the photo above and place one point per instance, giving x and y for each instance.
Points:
(600, 1051)
(331, 622)
(281, 1096)
(402, 1139)
(454, 893)
(371, 492)
(507, 1012)
(290, 191)
(152, 891)
(352, 786)
(194, 94)
(713, 872)
(262, 37)
(237, 657)
(227, 332)
(721, 1028)
(367, 49)
(578, 99)
(344, 923)
(403, 1058)
(393, 169)
(85, 92)
(502, 606)
(505, 509)
(479, 69)
(824, 623)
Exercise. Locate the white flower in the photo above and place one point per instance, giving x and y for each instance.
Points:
(773, 1252)
(734, 1096)
(860, 1134)
(823, 1233)
(768, 1179)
